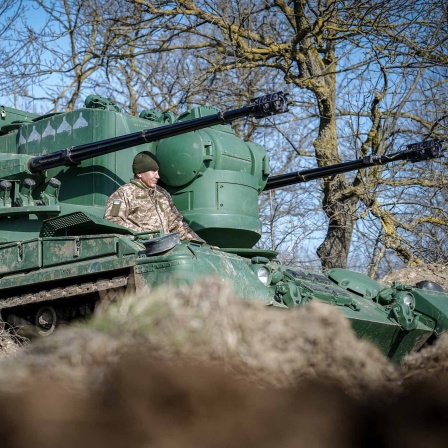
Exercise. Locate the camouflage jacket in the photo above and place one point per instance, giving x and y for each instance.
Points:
(142, 209)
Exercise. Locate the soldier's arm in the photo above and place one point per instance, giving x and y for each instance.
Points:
(177, 223)
(118, 209)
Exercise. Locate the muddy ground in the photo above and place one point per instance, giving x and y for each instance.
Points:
(205, 370)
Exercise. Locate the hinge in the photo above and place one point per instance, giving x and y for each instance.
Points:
(77, 247)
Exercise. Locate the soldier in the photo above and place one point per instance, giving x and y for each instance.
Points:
(142, 205)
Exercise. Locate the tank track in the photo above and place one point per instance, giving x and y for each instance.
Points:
(63, 293)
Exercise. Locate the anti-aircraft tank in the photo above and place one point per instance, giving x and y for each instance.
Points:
(59, 257)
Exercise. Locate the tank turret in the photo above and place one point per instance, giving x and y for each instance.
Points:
(89, 152)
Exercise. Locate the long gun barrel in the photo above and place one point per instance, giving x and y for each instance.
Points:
(264, 106)
(415, 152)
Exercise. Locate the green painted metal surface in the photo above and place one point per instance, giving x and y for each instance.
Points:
(20, 256)
(205, 171)
(53, 236)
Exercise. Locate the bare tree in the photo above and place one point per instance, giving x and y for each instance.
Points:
(381, 49)
(51, 61)
(9, 11)
(364, 76)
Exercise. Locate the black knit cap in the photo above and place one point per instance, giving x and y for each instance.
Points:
(144, 161)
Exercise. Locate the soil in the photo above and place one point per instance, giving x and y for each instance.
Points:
(205, 369)
(433, 272)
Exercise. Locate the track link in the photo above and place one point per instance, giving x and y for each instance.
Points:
(61, 293)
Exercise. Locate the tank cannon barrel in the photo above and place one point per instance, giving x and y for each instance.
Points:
(416, 152)
(264, 106)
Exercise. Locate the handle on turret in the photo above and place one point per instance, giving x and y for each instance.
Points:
(264, 106)
(416, 152)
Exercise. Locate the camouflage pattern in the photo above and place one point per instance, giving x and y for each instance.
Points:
(142, 209)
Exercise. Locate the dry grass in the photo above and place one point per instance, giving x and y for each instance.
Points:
(276, 347)
(10, 343)
(208, 324)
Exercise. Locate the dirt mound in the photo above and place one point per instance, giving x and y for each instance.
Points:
(279, 347)
(143, 402)
(429, 365)
(147, 403)
(208, 324)
(75, 357)
(433, 272)
(198, 367)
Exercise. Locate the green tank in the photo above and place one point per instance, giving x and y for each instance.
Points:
(59, 257)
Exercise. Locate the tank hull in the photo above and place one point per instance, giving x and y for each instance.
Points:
(73, 273)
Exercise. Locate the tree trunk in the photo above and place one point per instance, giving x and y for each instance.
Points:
(333, 252)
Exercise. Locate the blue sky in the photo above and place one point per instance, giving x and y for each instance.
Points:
(35, 17)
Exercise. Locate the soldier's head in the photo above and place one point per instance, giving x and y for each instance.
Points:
(146, 168)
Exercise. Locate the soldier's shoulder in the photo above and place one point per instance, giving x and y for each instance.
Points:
(129, 187)
(161, 190)
(125, 190)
